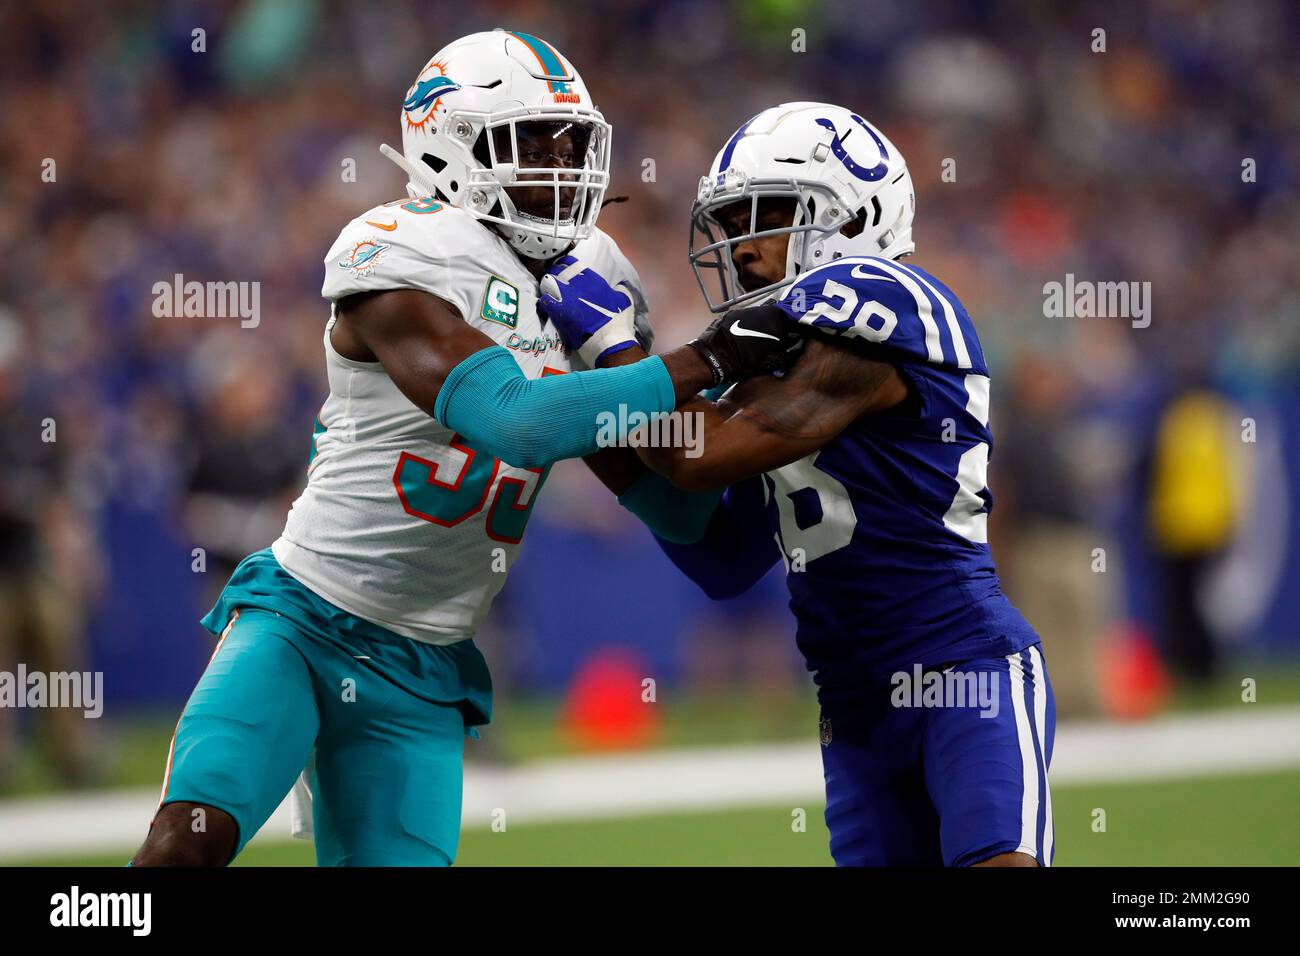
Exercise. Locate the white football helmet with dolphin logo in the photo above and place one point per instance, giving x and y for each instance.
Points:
(460, 137)
(838, 169)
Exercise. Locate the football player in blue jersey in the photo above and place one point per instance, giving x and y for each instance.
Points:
(863, 469)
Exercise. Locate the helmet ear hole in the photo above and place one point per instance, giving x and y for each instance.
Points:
(854, 228)
(438, 164)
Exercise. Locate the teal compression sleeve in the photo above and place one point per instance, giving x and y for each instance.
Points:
(533, 422)
(675, 515)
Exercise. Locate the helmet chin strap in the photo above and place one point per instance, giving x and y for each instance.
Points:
(532, 246)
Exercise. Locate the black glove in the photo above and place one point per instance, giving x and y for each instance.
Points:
(748, 342)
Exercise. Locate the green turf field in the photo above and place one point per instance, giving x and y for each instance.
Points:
(1247, 820)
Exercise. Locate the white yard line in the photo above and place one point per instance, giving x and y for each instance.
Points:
(704, 778)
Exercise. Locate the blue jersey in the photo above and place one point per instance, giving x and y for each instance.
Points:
(884, 529)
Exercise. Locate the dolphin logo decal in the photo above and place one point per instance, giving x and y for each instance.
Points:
(426, 92)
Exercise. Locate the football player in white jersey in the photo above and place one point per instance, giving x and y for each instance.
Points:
(350, 640)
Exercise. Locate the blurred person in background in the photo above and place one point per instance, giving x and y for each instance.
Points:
(1045, 542)
(48, 571)
(1193, 509)
(246, 464)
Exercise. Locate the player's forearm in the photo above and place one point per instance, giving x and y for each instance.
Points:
(533, 422)
(689, 473)
(672, 514)
(671, 463)
(737, 546)
(716, 460)
(770, 421)
(619, 468)
(686, 367)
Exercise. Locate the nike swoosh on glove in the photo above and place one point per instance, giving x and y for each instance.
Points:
(748, 342)
(593, 318)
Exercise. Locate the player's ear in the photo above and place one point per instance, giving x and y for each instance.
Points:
(851, 229)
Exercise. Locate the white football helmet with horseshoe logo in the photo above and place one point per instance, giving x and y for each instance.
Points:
(838, 169)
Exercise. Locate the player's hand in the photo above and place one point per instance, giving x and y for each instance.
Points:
(593, 318)
(749, 342)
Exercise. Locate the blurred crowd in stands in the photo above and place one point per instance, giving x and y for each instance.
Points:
(135, 149)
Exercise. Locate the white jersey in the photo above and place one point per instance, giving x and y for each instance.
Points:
(402, 523)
